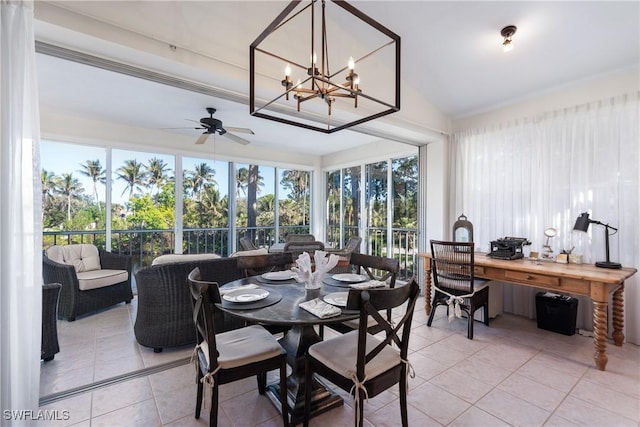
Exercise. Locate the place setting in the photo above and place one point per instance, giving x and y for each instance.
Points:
(248, 297)
(277, 277)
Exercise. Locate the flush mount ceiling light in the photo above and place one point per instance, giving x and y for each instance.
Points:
(508, 32)
(298, 45)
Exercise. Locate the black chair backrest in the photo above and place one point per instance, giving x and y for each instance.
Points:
(252, 265)
(203, 294)
(370, 303)
(376, 267)
(452, 266)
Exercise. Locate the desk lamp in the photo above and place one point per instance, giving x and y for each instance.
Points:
(582, 224)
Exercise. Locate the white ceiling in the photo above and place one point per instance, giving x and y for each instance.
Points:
(452, 61)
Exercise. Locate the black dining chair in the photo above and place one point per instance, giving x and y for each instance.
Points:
(359, 362)
(452, 267)
(253, 265)
(230, 356)
(375, 268)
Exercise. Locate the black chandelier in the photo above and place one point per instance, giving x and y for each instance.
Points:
(315, 79)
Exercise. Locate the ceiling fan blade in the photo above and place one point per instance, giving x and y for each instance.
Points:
(202, 125)
(236, 138)
(202, 138)
(239, 130)
(181, 128)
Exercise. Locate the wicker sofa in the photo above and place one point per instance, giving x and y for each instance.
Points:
(87, 286)
(165, 314)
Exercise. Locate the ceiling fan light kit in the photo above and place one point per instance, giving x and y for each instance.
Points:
(287, 45)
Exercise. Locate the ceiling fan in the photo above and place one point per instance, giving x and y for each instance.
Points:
(212, 126)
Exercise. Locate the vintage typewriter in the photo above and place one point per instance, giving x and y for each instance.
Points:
(508, 248)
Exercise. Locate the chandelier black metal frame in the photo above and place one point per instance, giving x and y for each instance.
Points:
(321, 82)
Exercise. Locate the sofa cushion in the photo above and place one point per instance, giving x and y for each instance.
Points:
(83, 257)
(94, 279)
(173, 258)
(261, 251)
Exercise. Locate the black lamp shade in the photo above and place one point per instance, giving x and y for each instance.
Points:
(582, 223)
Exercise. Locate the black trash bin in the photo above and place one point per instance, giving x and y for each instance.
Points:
(556, 313)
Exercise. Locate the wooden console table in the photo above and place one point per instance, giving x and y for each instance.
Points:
(577, 279)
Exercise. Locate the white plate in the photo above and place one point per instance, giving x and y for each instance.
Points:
(337, 298)
(278, 275)
(245, 295)
(349, 277)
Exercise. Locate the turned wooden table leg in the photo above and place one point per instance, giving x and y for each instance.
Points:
(600, 334)
(618, 316)
(427, 291)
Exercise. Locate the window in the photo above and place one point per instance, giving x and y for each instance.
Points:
(142, 204)
(205, 206)
(294, 202)
(73, 193)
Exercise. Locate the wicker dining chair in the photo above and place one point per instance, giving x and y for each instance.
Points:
(230, 356)
(361, 363)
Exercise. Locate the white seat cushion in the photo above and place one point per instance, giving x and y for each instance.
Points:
(261, 251)
(94, 279)
(243, 346)
(83, 257)
(173, 258)
(340, 354)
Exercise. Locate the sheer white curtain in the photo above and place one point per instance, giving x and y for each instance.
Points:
(519, 178)
(20, 216)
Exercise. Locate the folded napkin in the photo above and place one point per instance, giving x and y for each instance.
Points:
(319, 308)
(368, 285)
(235, 288)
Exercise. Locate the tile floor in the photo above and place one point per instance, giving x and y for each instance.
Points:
(511, 373)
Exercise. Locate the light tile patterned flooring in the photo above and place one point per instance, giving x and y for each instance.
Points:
(511, 373)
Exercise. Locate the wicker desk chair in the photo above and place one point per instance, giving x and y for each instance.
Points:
(49, 343)
(361, 363)
(230, 356)
(454, 283)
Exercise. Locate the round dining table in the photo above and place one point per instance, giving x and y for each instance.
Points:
(282, 308)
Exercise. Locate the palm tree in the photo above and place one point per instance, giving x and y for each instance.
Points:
(297, 182)
(156, 172)
(242, 181)
(201, 176)
(48, 181)
(131, 172)
(94, 170)
(69, 187)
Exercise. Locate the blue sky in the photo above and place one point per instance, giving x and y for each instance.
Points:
(62, 158)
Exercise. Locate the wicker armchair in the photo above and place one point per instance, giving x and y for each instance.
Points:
(73, 301)
(165, 314)
(49, 342)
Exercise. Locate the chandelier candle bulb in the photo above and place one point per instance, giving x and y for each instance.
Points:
(351, 64)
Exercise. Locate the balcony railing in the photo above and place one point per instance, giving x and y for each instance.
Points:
(144, 245)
